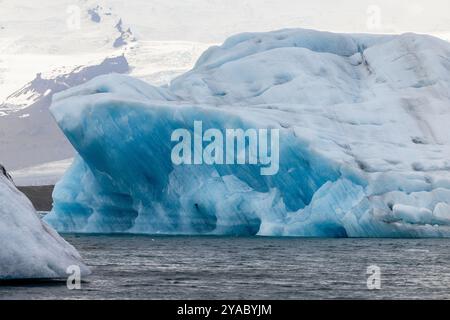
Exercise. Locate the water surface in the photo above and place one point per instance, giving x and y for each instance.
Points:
(163, 267)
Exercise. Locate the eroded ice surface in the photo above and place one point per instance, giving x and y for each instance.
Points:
(364, 141)
(29, 247)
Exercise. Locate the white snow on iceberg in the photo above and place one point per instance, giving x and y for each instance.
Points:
(364, 143)
(30, 249)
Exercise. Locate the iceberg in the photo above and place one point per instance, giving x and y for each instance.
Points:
(30, 249)
(363, 146)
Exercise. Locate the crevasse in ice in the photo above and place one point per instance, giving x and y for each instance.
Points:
(29, 247)
(364, 141)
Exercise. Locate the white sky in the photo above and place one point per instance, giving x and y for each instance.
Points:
(211, 21)
(214, 20)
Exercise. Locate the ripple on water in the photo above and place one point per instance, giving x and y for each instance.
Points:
(129, 266)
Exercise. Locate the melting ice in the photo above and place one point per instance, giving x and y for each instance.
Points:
(363, 128)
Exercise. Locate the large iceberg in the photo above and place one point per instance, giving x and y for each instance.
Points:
(364, 145)
(30, 249)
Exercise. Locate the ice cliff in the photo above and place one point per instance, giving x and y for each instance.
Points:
(364, 141)
(29, 247)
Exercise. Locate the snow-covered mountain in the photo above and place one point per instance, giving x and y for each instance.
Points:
(363, 143)
(28, 133)
(41, 89)
(54, 45)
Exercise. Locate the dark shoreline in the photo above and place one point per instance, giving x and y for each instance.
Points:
(40, 196)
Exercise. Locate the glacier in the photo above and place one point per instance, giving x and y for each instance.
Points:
(30, 249)
(364, 147)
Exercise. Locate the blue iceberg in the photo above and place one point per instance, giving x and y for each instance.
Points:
(362, 149)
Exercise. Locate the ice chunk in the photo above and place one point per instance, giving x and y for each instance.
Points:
(29, 247)
(412, 214)
(441, 213)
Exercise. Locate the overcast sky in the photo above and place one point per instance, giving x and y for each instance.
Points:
(211, 21)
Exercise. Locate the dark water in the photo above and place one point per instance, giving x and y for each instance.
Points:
(127, 267)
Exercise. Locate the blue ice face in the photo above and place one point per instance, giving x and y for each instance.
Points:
(124, 179)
